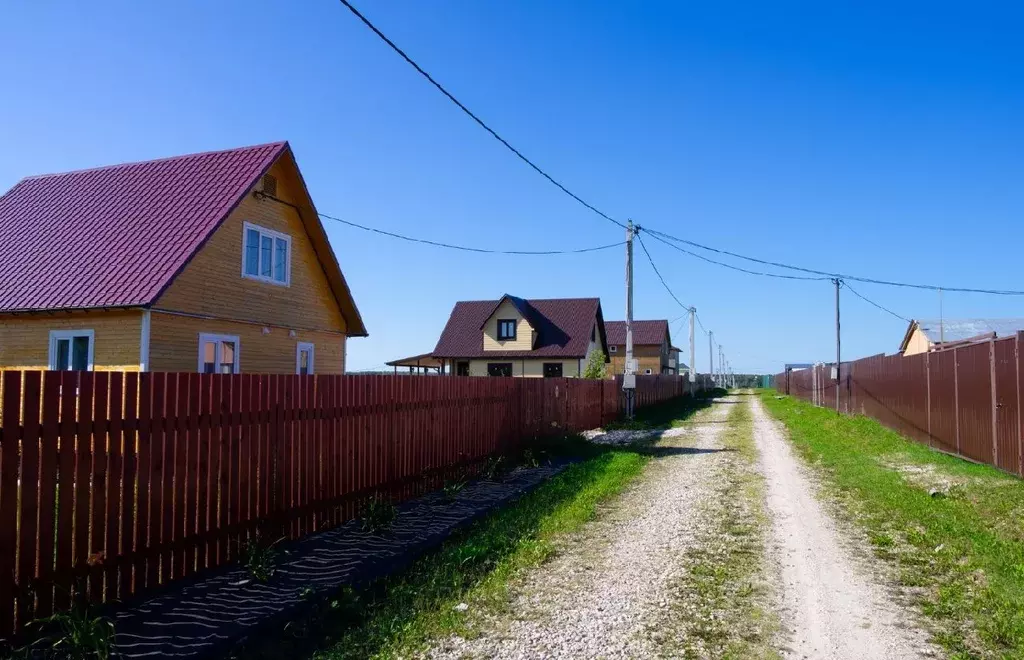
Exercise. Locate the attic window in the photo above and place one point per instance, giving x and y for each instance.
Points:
(613, 349)
(270, 185)
(506, 329)
(266, 255)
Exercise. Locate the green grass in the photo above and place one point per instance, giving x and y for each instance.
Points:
(401, 614)
(674, 412)
(960, 552)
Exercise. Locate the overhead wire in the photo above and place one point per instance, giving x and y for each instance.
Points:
(465, 248)
(665, 237)
(846, 285)
(658, 273)
(474, 117)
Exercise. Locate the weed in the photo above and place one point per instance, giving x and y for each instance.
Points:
(73, 635)
(259, 558)
(452, 488)
(529, 460)
(378, 514)
(494, 468)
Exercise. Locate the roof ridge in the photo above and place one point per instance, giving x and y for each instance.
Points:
(115, 166)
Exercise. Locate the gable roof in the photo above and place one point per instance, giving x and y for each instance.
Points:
(562, 325)
(117, 236)
(956, 330)
(645, 333)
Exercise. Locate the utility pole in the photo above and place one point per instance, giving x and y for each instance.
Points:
(942, 331)
(693, 354)
(721, 362)
(711, 356)
(629, 375)
(839, 363)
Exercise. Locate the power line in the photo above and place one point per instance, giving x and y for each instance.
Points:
(826, 274)
(466, 248)
(872, 302)
(661, 235)
(658, 273)
(479, 121)
(658, 236)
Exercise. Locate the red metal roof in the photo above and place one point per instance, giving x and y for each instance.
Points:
(116, 236)
(644, 332)
(563, 328)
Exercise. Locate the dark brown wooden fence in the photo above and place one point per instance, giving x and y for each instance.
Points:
(965, 400)
(116, 483)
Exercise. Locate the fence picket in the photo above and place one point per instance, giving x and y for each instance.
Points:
(9, 475)
(28, 535)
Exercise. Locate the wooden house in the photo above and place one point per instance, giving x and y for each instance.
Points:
(215, 262)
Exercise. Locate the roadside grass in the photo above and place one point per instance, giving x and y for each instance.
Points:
(398, 616)
(952, 529)
(720, 603)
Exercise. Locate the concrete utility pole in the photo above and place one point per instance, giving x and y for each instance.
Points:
(693, 354)
(839, 363)
(711, 356)
(721, 361)
(629, 375)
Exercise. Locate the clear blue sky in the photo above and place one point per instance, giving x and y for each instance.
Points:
(862, 137)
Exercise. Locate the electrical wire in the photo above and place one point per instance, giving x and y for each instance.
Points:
(658, 273)
(657, 236)
(828, 275)
(846, 285)
(470, 113)
(464, 248)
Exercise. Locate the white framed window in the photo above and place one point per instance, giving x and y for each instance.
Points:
(613, 349)
(304, 354)
(647, 372)
(266, 255)
(218, 354)
(71, 350)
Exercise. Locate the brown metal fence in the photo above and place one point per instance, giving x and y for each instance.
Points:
(964, 400)
(113, 484)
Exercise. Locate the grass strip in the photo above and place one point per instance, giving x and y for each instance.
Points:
(720, 602)
(952, 529)
(401, 614)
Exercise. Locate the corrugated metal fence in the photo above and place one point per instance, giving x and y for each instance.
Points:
(116, 483)
(965, 400)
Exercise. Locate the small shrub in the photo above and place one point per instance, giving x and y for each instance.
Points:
(529, 459)
(595, 369)
(74, 635)
(259, 558)
(378, 514)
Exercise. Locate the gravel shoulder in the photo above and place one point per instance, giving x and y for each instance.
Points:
(599, 595)
(833, 602)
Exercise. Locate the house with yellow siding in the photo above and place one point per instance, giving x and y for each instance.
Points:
(211, 262)
(652, 347)
(513, 336)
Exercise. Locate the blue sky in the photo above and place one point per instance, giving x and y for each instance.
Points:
(863, 137)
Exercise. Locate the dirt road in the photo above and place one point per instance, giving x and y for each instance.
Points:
(831, 604)
(608, 583)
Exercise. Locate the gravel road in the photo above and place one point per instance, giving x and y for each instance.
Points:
(832, 606)
(594, 599)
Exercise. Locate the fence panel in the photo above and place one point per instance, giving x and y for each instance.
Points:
(112, 484)
(1007, 424)
(974, 401)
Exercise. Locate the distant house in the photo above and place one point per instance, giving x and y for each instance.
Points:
(675, 363)
(652, 346)
(211, 262)
(516, 337)
(923, 336)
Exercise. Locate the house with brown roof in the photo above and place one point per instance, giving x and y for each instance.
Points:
(652, 347)
(210, 262)
(517, 337)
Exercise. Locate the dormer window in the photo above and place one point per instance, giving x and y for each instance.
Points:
(506, 329)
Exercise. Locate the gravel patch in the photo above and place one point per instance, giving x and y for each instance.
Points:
(833, 606)
(628, 437)
(593, 599)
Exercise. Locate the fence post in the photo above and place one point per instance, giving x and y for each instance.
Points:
(928, 394)
(1020, 413)
(956, 397)
(994, 393)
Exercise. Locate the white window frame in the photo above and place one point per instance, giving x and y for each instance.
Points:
(613, 349)
(56, 335)
(305, 346)
(205, 337)
(648, 372)
(270, 233)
